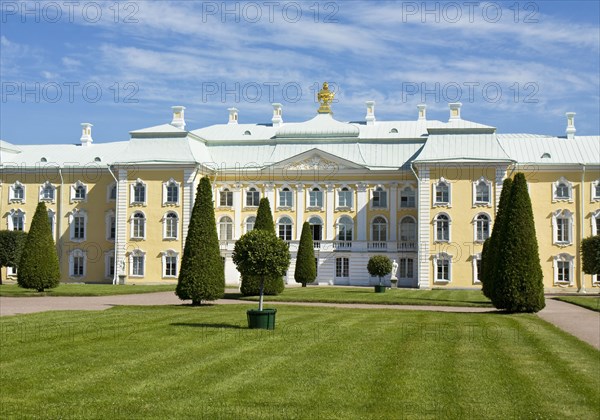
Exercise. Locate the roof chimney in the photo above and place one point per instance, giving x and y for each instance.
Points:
(277, 119)
(422, 111)
(178, 120)
(570, 125)
(233, 115)
(86, 134)
(370, 117)
(454, 111)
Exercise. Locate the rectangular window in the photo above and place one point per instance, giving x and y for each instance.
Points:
(407, 200)
(379, 198)
(442, 194)
(345, 198)
(406, 268)
(315, 198)
(48, 193)
(138, 265)
(78, 227)
(285, 232)
(564, 271)
(172, 193)
(285, 198)
(139, 193)
(78, 265)
(252, 198)
(342, 267)
(478, 265)
(443, 270)
(112, 220)
(18, 193)
(171, 266)
(226, 198)
(562, 230)
(51, 223)
(110, 266)
(113, 193)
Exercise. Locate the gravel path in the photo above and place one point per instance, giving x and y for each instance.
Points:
(582, 323)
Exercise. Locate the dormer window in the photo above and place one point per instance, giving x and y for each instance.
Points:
(247, 133)
(394, 131)
(97, 159)
(43, 159)
(546, 156)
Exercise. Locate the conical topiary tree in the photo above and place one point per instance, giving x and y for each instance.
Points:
(306, 270)
(489, 254)
(273, 285)
(11, 247)
(202, 275)
(590, 255)
(39, 268)
(518, 282)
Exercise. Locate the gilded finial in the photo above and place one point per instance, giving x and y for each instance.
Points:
(325, 97)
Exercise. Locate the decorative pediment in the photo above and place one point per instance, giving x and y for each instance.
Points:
(317, 160)
(314, 162)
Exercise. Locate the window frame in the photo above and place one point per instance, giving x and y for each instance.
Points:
(75, 190)
(225, 195)
(285, 226)
(169, 254)
(10, 222)
(382, 195)
(561, 259)
(133, 199)
(558, 217)
(349, 196)
(488, 184)
(476, 222)
(342, 267)
(47, 186)
(595, 191)
(168, 219)
(437, 220)
(413, 195)
(228, 226)
(442, 256)
(379, 224)
(135, 225)
(555, 189)
(73, 255)
(166, 187)
(436, 186)
(75, 215)
(12, 198)
(338, 230)
(283, 192)
(315, 198)
(255, 197)
(137, 254)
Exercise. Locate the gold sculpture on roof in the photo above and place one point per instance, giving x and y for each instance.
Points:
(325, 97)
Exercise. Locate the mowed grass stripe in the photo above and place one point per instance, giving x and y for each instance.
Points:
(184, 362)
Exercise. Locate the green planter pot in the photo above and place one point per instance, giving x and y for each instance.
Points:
(264, 320)
(380, 289)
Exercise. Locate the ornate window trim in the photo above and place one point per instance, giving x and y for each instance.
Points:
(291, 219)
(320, 197)
(442, 256)
(475, 222)
(555, 185)
(10, 219)
(562, 214)
(169, 253)
(437, 219)
(278, 200)
(109, 189)
(248, 220)
(165, 194)
(564, 258)
(488, 184)
(252, 188)
(77, 213)
(339, 223)
(222, 222)
(593, 195)
(108, 264)
(401, 195)
(227, 190)
(595, 216)
(132, 189)
(381, 189)
(11, 193)
(387, 228)
(75, 192)
(137, 253)
(339, 190)
(110, 214)
(50, 187)
(165, 221)
(79, 254)
(143, 220)
(438, 184)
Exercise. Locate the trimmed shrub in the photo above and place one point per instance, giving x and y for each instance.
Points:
(38, 267)
(590, 255)
(273, 285)
(518, 282)
(489, 256)
(202, 275)
(11, 247)
(261, 254)
(380, 266)
(306, 270)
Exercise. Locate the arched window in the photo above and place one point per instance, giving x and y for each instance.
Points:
(225, 228)
(47, 191)
(171, 192)
(315, 198)
(482, 191)
(17, 192)
(345, 197)
(316, 228)
(138, 225)
(252, 197)
(345, 227)
(408, 230)
(16, 220)
(442, 192)
(379, 229)
(442, 228)
(379, 198)
(138, 192)
(171, 222)
(285, 197)
(562, 221)
(284, 227)
(562, 190)
(482, 227)
(407, 198)
(250, 221)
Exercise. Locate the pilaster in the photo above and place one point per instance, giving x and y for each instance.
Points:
(361, 211)
(299, 210)
(329, 221)
(424, 228)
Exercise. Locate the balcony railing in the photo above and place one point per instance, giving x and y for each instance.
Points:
(343, 245)
(317, 245)
(407, 245)
(377, 246)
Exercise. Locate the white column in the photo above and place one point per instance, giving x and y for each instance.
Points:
(424, 203)
(361, 211)
(237, 210)
(189, 195)
(122, 223)
(299, 209)
(329, 222)
(500, 175)
(393, 211)
(270, 194)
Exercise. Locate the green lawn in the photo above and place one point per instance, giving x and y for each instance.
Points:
(367, 295)
(84, 290)
(588, 302)
(328, 363)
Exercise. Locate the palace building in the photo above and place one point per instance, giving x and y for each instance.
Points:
(423, 192)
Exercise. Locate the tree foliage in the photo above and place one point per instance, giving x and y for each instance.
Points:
(11, 247)
(380, 266)
(261, 254)
(590, 255)
(518, 281)
(38, 267)
(306, 270)
(489, 254)
(202, 275)
(273, 285)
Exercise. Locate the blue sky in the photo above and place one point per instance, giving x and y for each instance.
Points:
(518, 66)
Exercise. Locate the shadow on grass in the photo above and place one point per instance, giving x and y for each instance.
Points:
(205, 325)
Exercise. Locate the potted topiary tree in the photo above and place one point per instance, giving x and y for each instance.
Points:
(260, 253)
(380, 266)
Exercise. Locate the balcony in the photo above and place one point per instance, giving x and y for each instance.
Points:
(342, 245)
(317, 245)
(407, 246)
(377, 246)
